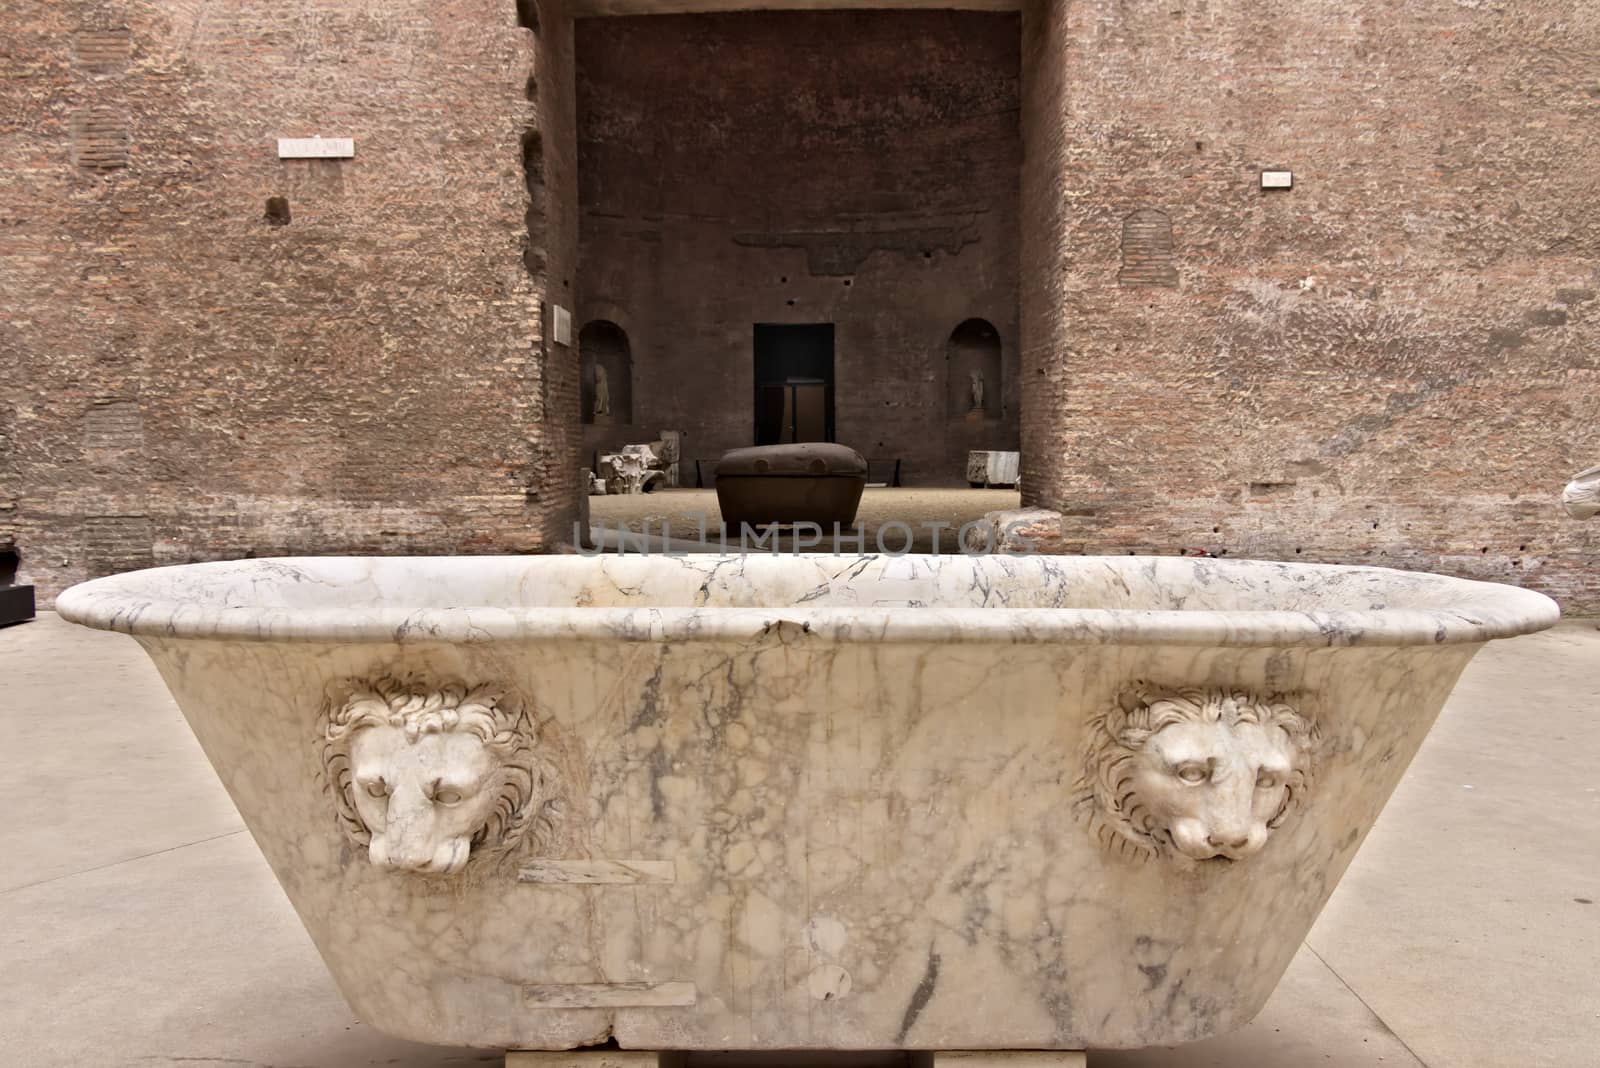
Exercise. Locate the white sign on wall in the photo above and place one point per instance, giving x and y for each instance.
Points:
(316, 147)
(560, 325)
(1277, 179)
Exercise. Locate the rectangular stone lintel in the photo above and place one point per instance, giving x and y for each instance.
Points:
(1005, 1058)
(608, 1058)
(581, 1058)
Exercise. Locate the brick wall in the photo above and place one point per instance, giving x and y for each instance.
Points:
(187, 380)
(550, 163)
(855, 168)
(1393, 363)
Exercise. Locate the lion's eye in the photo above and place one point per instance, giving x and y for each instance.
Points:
(1193, 773)
(447, 796)
(1266, 781)
(377, 788)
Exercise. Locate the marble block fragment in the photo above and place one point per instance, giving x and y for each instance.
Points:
(1581, 496)
(631, 469)
(990, 468)
(1015, 531)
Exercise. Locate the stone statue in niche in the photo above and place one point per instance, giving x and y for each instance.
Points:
(602, 392)
(1581, 497)
(1193, 774)
(425, 777)
(977, 390)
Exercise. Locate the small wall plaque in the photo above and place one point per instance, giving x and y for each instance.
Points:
(1277, 179)
(560, 325)
(316, 147)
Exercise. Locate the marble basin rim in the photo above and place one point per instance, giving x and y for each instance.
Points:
(1433, 609)
(781, 802)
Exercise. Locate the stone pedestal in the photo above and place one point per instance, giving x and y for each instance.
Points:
(585, 1058)
(804, 482)
(16, 604)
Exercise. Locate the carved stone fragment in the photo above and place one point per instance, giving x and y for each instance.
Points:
(426, 777)
(1196, 774)
(1581, 497)
(630, 470)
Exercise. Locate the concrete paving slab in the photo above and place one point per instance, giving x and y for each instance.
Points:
(1311, 1019)
(81, 707)
(1469, 919)
(188, 957)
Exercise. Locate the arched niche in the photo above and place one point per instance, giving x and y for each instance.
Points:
(603, 344)
(974, 348)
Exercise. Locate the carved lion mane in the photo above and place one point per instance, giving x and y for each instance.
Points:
(523, 807)
(1109, 800)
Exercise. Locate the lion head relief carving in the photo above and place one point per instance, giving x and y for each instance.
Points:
(1194, 773)
(427, 776)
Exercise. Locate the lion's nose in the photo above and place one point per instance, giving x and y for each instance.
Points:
(1238, 841)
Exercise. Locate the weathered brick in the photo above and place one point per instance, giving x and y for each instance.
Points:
(857, 168)
(371, 377)
(1364, 369)
(1393, 362)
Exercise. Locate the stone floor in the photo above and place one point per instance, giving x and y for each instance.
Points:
(139, 926)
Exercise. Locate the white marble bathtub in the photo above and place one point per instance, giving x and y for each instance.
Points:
(806, 802)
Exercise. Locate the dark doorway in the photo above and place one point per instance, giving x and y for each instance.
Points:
(794, 382)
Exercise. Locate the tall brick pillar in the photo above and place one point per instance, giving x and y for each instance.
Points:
(1045, 339)
(213, 352)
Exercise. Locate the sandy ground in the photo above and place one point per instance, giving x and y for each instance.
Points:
(140, 927)
(685, 510)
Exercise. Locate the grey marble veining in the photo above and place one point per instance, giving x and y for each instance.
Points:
(813, 802)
